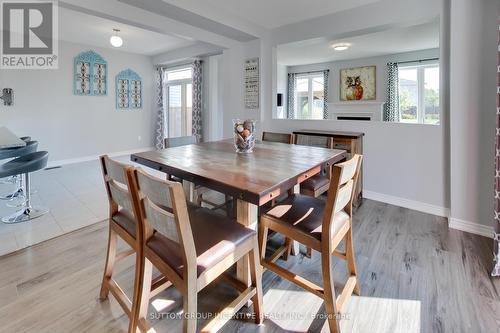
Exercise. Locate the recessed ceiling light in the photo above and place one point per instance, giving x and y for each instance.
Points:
(340, 47)
(116, 40)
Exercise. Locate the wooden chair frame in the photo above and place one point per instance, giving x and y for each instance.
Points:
(115, 230)
(278, 137)
(316, 193)
(189, 284)
(327, 246)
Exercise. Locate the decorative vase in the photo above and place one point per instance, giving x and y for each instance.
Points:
(244, 135)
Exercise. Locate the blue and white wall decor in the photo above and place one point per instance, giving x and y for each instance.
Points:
(128, 90)
(90, 74)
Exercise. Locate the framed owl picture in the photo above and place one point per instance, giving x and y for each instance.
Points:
(358, 84)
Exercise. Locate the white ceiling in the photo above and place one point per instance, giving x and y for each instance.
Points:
(419, 37)
(83, 28)
(271, 14)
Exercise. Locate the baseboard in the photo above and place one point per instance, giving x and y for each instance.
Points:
(406, 203)
(52, 164)
(471, 227)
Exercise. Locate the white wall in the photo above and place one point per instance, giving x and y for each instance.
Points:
(71, 126)
(473, 49)
(335, 66)
(403, 163)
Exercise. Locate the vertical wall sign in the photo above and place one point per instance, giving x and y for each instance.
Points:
(128, 90)
(252, 83)
(90, 74)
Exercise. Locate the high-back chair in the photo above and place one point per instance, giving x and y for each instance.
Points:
(318, 184)
(321, 226)
(191, 248)
(124, 224)
(277, 137)
(199, 191)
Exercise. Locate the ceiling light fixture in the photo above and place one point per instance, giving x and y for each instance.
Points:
(116, 40)
(341, 47)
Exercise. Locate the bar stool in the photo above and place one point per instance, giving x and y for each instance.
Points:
(31, 147)
(25, 165)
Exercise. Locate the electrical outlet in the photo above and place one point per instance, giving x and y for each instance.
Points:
(139, 138)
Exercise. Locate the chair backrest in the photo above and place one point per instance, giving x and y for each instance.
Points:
(162, 208)
(180, 141)
(342, 184)
(313, 140)
(117, 187)
(277, 137)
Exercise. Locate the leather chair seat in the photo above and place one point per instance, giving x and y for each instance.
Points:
(215, 237)
(24, 164)
(30, 147)
(316, 182)
(305, 213)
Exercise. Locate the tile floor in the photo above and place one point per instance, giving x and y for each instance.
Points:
(74, 194)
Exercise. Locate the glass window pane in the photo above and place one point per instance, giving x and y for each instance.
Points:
(431, 95)
(302, 98)
(180, 74)
(408, 94)
(189, 109)
(175, 110)
(318, 97)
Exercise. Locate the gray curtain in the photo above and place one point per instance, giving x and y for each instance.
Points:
(496, 244)
(391, 107)
(197, 96)
(292, 87)
(161, 117)
(325, 93)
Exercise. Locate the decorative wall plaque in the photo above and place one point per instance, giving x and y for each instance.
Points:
(128, 90)
(90, 74)
(252, 83)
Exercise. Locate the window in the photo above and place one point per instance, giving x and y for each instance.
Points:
(179, 99)
(419, 94)
(309, 96)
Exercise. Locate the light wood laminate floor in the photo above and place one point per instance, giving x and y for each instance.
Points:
(416, 276)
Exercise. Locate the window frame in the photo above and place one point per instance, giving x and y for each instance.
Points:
(420, 91)
(183, 84)
(310, 94)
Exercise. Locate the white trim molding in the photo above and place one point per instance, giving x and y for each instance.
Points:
(471, 227)
(53, 164)
(407, 203)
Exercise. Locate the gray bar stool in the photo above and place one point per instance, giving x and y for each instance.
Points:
(25, 165)
(31, 147)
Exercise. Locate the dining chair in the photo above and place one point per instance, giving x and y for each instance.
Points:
(192, 249)
(277, 137)
(318, 184)
(199, 191)
(123, 224)
(321, 226)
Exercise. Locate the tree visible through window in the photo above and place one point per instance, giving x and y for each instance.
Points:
(419, 94)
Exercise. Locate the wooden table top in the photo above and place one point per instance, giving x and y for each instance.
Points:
(9, 139)
(330, 133)
(258, 177)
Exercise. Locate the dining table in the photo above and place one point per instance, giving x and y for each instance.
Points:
(251, 179)
(9, 139)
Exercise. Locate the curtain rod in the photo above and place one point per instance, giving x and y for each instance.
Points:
(412, 61)
(311, 72)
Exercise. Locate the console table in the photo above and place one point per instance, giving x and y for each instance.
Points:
(352, 142)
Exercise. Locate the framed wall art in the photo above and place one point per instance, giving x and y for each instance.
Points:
(358, 84)
(252, 83)
(90, 74)
(128, 90)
